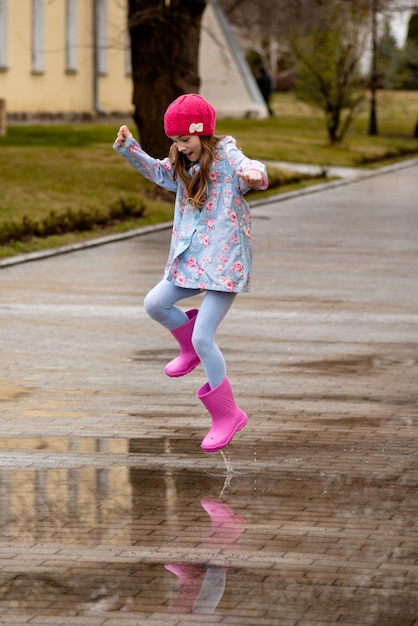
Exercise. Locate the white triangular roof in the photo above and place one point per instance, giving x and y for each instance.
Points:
(226, 79)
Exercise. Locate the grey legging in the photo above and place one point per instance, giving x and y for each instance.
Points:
(159, 304)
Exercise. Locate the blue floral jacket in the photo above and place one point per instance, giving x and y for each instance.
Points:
(210, 247)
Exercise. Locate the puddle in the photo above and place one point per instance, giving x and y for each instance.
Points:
(268, 548)
(66, 444)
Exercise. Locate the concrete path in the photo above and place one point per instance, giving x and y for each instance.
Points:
(110, 513)
(331, 170)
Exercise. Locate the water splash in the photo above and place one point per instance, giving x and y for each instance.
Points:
(229, 473)
(228, 464)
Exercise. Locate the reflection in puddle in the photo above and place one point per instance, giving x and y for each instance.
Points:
(298, 540)
(97, 507)
(201, 587)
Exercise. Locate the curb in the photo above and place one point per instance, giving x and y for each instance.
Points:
(336, 183)
(138, 232)
(100, 241)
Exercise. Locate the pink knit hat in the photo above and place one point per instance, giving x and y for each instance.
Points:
(189, 114)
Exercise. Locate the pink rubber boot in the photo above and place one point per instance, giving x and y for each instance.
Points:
(227, 417)
(187, 359)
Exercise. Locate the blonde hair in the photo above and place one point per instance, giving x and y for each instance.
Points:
(196, 185)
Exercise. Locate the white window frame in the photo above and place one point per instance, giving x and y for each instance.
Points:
(38, 36)
(102, 42)
(3, 34)
(71, 36)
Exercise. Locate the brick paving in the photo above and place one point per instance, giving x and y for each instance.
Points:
(110, 513)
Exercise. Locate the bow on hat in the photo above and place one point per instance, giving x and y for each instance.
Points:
(196, 128)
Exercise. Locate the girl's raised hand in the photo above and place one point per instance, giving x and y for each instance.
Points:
(123, 134)
(252, 178)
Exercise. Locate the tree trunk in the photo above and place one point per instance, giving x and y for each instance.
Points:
(332, 115)
(165, 37)
(373, 131)
(416, 129)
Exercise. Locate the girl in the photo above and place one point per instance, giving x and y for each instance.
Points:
(210, 246)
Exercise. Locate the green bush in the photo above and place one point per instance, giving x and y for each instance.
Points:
(70, 221)
(282, 177)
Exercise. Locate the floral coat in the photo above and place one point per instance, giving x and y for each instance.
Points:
(210, 247)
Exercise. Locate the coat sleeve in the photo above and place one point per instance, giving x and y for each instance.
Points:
(159, 171)
(241, 163)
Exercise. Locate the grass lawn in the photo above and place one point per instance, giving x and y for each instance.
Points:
(49, 173)
(297, 133)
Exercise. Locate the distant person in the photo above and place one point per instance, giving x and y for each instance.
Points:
(264, 85)
(210, 248)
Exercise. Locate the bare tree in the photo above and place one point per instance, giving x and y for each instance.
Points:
(413, 41)
(329, 49)
(373, 75)
(386, 7)
(327, 39)
(263, 28)
(165, 37)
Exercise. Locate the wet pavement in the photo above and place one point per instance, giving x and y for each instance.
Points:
(111, 514)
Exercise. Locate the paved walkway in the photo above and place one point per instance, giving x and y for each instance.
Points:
(110, 513)
(309, 168)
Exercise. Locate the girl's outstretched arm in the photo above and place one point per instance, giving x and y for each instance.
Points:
(252, 178)
(123, 134)
(250, 173)
(160, 171)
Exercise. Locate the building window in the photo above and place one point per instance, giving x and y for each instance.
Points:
(3, 35)
(38, 36)
(102, 37)
(71, 36)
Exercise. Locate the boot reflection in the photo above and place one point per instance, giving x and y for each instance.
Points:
(227, 526)
(201, 586)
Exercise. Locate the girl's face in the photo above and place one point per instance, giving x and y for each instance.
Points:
(190, 145)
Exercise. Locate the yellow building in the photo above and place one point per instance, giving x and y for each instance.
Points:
(71, 58)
